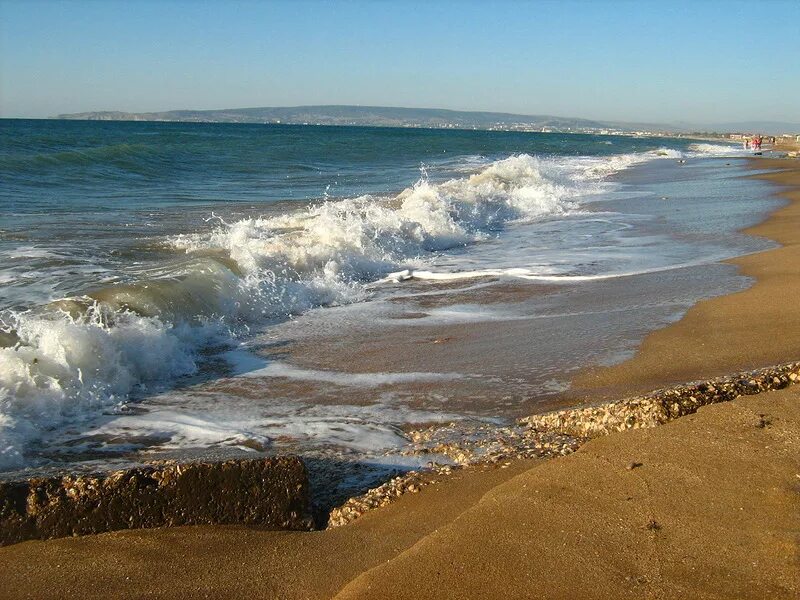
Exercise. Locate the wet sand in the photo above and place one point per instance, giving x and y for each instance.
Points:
(518, 344)
(754, 328)
(712, 510)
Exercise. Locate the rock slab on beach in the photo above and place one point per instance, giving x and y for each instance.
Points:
(267, 492)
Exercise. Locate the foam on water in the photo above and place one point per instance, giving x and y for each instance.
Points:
(251, 366)
(63, 367)
(720, 150)
(537, 275)
(68, 360)
(357, 238)
(31, 252)
(209, 419)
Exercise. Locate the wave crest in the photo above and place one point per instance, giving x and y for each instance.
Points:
(706, 149)
(68, 359)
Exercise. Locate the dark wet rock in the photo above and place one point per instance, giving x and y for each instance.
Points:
(266, 492)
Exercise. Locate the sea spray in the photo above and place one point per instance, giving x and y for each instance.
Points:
(67, 360)
(76, 356)
(63, 366)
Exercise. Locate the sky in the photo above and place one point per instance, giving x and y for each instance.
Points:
(644, 61)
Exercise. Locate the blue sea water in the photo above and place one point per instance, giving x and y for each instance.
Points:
(136, 255)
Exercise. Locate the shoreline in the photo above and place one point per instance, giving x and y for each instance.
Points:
(717, 336)
(629, 515)
(195, 351)
(736, 332)
(561, 432)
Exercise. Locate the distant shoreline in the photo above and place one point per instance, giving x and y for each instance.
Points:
(429, 118)
(714, 136)
(664, 135)
(366, 125)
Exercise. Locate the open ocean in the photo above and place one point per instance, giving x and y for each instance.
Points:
(150, 273)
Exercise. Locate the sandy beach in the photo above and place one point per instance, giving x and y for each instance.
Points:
(740, 331)
(706, 506)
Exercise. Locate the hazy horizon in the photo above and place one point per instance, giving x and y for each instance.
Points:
(679, 125)
(610, 61)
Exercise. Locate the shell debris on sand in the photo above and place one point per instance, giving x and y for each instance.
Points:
(556, 433)
(662, 406)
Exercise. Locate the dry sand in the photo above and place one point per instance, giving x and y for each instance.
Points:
(713, 510)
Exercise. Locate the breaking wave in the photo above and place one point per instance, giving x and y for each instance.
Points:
(75, 357)
(717, 150)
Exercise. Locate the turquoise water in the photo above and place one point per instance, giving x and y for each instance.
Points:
(85, 198)
(82, 165)
(137, 256)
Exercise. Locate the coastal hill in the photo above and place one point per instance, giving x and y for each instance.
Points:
(388, 116)
(376, 116)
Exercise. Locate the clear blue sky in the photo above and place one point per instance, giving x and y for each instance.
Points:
(698, 61)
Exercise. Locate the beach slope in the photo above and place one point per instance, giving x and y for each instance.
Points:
(707, 506)
(754, 328)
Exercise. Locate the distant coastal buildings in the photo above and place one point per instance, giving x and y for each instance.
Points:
(783, 138)
(417, 118)
(377, 116)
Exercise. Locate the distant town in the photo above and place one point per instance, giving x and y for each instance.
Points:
(432, 118)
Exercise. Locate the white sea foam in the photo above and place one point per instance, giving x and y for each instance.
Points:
(72, 358)
(64, 367)
(717, 150)
(601, 167)
(536, 275)
(277, 369)
(210, 419)
(249, 365)
(357, 238)
(31, 252)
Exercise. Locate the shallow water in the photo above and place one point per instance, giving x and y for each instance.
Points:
(198, 288)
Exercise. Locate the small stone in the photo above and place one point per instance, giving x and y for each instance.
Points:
(633, 465)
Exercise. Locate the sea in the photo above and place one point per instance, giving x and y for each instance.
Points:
(200, 289)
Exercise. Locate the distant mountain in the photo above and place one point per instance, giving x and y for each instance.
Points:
(385, 116)
(380, 116)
